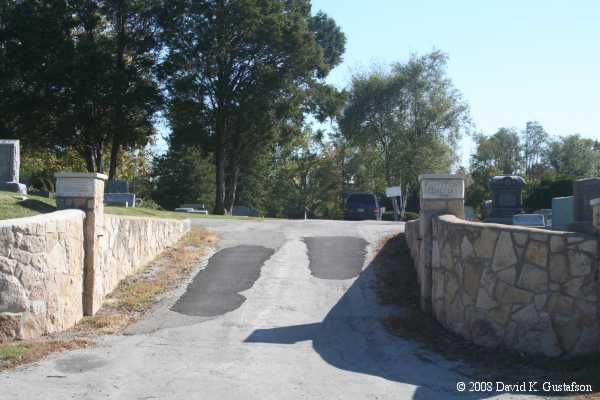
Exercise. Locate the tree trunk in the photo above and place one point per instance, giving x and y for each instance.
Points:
(88, 156)
(220, 164)
(99, 161)
(118, 84)
(114, 156)
(232, 186)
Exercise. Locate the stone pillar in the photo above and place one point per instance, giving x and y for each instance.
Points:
(85, 191)
(595, 204)
(440, 194)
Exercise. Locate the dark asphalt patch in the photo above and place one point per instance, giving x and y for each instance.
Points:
(336, 257)
(214, 290)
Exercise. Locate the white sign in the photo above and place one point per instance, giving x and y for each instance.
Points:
(442, 187)
(394, 191)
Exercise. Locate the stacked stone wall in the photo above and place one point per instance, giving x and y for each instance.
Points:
(411, 229)
(527, 289)
(41, 274)
(129, 243)
(42, 266)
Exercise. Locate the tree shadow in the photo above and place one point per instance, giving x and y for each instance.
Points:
(353, 337)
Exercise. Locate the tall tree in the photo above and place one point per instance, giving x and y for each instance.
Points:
(575, 156)
(241, 75)
(411, 116)
(535, 143)
(78, 74)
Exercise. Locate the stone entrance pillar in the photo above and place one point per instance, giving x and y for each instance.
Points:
(85, 191)
(440, 194)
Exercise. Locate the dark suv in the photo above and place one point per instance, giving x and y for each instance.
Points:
(362, 206)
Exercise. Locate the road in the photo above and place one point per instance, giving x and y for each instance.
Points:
(280, 311)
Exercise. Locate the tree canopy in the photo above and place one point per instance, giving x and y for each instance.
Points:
(241, 75)
(410, 117)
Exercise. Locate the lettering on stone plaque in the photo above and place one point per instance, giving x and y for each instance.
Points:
(75, 187)
(442, 189)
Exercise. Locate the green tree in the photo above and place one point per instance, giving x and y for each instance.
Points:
(184, 176)
(535, 144)
(78, 75)
(410, 117)
(241, 75)
(575, 156)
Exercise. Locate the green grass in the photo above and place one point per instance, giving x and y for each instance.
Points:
(12, 206)
(13, 352)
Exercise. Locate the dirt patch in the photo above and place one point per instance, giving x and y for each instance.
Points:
(397, 285)
(13, 354)
(134, 296)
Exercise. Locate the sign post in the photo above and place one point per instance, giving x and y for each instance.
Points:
(395, 193)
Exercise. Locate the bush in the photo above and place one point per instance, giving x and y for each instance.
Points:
(540, 195)
(410, 216)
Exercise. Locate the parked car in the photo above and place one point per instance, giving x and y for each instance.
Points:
(361, 206)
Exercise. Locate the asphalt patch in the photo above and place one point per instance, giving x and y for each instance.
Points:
(336, 257)
(214, 290)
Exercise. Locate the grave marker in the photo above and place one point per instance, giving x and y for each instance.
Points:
(9, 167)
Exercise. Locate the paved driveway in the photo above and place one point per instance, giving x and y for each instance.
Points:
(280, 311)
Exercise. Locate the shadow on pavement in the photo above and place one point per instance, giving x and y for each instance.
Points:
(352, 337)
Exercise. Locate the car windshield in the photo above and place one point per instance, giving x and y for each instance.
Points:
(361, 200)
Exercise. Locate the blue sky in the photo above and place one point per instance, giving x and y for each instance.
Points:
(514, 61)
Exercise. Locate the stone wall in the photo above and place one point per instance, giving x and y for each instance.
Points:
(129, 243)
(41, 274)
(411, 230)
(527, 289)
(42, 266)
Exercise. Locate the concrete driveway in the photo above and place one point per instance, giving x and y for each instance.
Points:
(280, 311)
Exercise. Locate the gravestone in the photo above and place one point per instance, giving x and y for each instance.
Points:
(470, 213)
(119, 199)
(562, 212)
(584, 191)
(506, 198)
(530, 220)
(240, 211)
(9, 167)
(116, 186)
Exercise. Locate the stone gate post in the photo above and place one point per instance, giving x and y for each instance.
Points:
(85, 191)
(440, 194)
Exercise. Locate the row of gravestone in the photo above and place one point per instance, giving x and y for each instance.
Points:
(572, 213)
(117, 192)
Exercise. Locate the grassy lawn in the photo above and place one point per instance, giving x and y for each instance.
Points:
(12, 205)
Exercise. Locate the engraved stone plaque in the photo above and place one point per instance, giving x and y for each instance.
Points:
(77, 184)
(442, 187)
